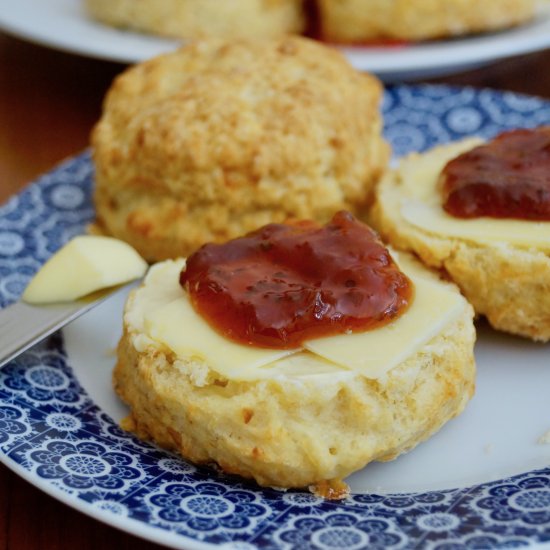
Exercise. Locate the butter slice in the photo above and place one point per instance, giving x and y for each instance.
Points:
(304, 365)
(85, 264)
(164, 311)
(420, 205)
(375, 352)
(178, 326)
(432, 218)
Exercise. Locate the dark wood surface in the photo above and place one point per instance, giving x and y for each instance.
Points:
(49, 102)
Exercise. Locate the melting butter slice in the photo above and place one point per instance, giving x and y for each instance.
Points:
(178, 326)
(85, 264)
(432, 218)
(419, 202)
(375, 352)
(304, 365)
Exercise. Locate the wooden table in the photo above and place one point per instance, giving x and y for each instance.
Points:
(48, 103)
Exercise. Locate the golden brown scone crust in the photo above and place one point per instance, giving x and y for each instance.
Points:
(288, 433)
(190, 19)
(218, 138)
(363, 20)
(509, 285)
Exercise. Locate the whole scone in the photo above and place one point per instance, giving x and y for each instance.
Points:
(502, 266)
(219, 138)
(190, 19)
(364, 20)
(298, 420)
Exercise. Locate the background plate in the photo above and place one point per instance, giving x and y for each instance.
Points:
(483, 481)
(63, 24)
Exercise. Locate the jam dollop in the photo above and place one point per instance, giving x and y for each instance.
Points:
(284, 284)
(508, 177)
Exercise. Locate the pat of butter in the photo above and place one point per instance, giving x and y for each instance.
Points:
(164, 311)
(418, 200)
(84, 265)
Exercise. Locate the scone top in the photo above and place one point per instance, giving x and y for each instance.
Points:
(221, 137)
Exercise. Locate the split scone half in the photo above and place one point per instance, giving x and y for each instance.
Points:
(298, 418)
(364, 20)
(189, 19)
(502, 266)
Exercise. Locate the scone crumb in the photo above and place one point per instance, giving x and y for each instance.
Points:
(199, 373)
(544, 439)
(247, 415)
(331, 489)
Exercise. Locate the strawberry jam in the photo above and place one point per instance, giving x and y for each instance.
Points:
(284, 284)
(506, 178)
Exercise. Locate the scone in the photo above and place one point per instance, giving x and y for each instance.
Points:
(299, 417)
(189, 19)
(219, 138)
(365, 20)
(501, 265)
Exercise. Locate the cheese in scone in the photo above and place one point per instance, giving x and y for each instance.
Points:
(160, 314)
(418, 200)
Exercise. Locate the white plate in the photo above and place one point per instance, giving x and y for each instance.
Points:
(497, 436)
(483, 481)
(63, 24)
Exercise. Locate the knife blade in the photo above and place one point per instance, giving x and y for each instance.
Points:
(22, 325)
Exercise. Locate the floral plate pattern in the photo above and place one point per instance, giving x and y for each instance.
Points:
(53, 434)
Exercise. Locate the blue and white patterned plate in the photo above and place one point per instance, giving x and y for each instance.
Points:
(482, 482)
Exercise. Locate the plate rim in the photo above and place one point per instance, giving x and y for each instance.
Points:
(413, 59)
